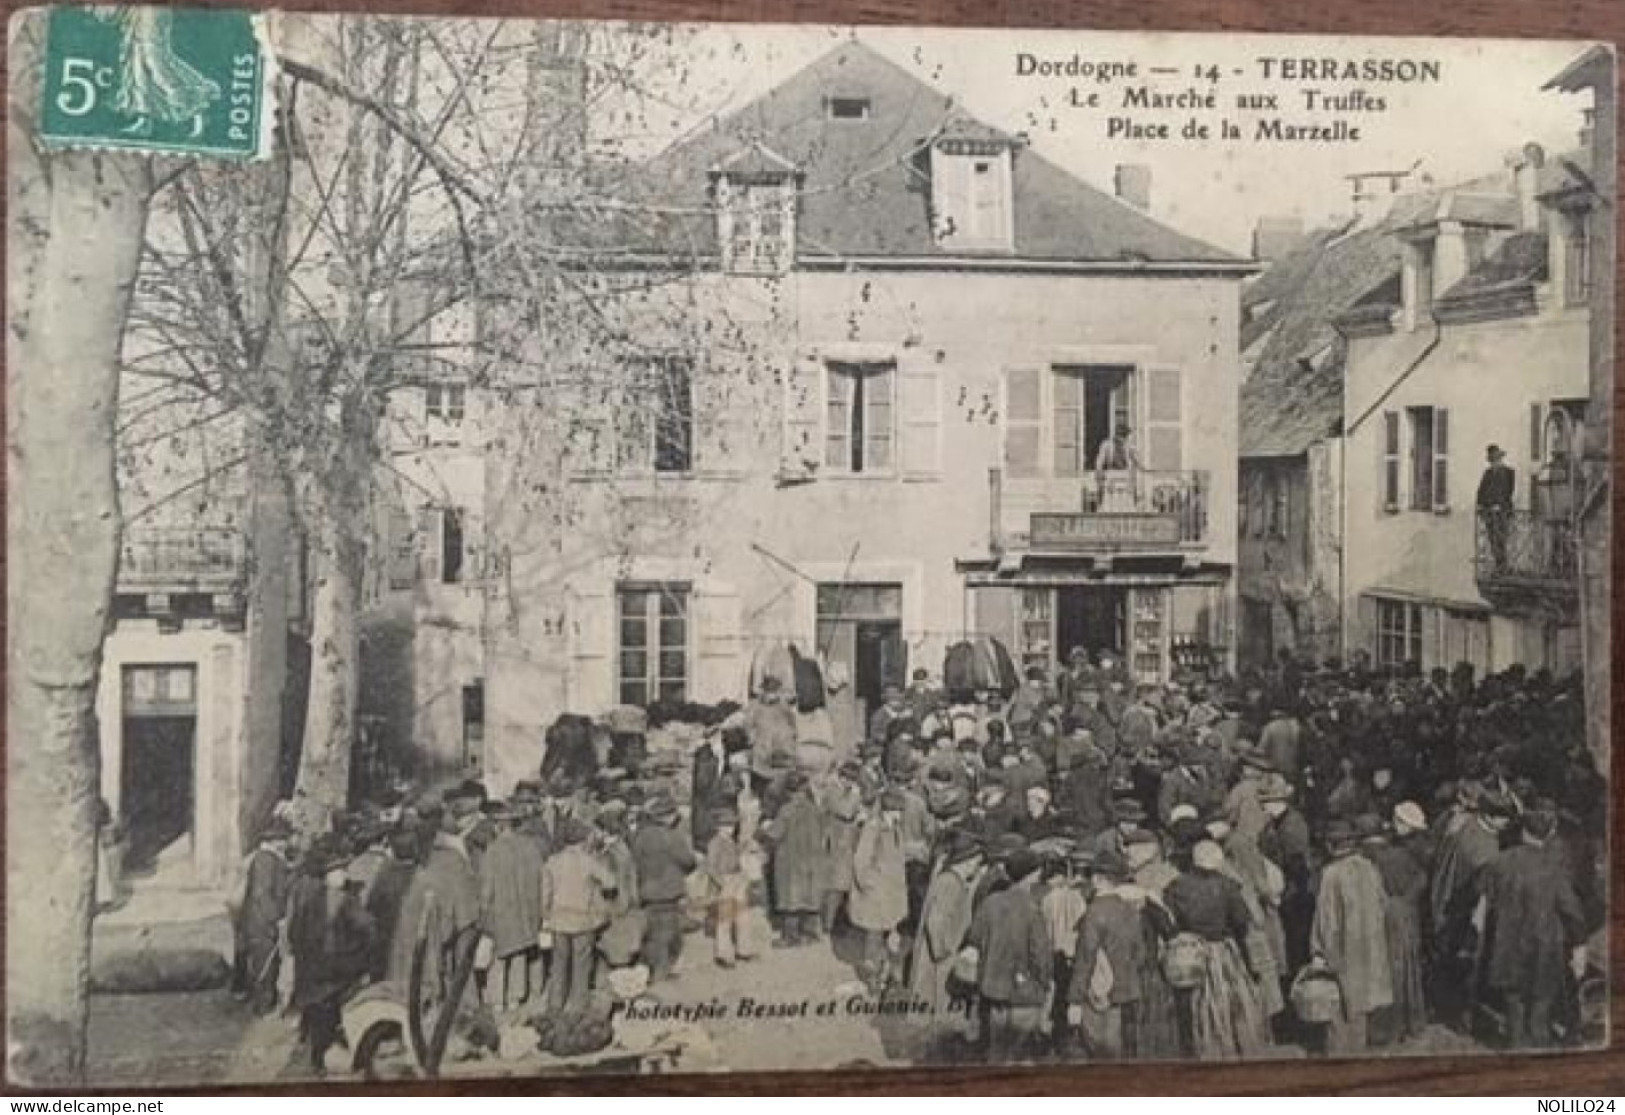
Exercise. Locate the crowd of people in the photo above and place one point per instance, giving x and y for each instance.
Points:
(1332, 857)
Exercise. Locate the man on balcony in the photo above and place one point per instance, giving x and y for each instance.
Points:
(1495, 490)
(1117, 455)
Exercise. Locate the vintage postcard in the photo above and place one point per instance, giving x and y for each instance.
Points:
(547, 547)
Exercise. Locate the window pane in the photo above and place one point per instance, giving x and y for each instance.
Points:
(634, 632)
(673, 602)
(634, 692)
(673, 633)
(674, 423)
(634, 665)
(673, 664)
(674, 691)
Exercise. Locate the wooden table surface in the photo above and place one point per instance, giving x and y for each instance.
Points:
(1561, 1076)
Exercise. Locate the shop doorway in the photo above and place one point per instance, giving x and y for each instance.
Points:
(158, 765)
(1094, 617)
(860, 627)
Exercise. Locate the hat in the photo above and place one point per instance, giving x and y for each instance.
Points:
(1184, 811)
(1083, 856)
(1257, 760)
(1275, 788)
(1207, 855)
(277, 828)
(1409, 815)
(1340, 831)
(1110, 864)
(1367, 825)
(961, 846)
(1139, 836)
(1127, 809)
(660, 808)
(1021, 863)
(1007, 844)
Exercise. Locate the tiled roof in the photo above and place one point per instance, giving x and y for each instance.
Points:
(1294, 396)
(865, 180)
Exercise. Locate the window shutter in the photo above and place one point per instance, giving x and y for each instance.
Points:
(838, 392)
(1390, 461)
(590, 404)
(880, 418)
(1537, 428)
(429, 545)
(592, 619)
(1441, 460)
(920, 426)
(1066, 413)
(802, 449)
(1164, 430)
(717, 639)
(473, 546)
(1023, 420)
(403, 567)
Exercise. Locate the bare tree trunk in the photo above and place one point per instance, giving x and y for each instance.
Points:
(74, 242)
(337, 507)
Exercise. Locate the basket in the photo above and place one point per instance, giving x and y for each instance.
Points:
(1316, 996)
(1184, 960)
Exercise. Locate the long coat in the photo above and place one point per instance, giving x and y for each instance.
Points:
(945, 919)
(798, 854)
(707, 793)
(1533, 920)
(1351, 932)
(443, 900)
(330, 936)
(841, 803)
(264, 904)
(879, 899)
(511, 891)
(1017, 957)
(1111, 925)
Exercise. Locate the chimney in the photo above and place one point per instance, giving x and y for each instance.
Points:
(1133, 184)
(1274, 238)
(1525, 165)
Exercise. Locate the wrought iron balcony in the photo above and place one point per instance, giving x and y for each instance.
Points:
(1112, 512)
(1525, 559)
(182, 560)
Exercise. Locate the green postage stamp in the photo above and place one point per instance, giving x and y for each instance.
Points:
(177, 80)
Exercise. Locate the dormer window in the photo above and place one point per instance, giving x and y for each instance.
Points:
(971, 196)
(848, 108)
(756, 223)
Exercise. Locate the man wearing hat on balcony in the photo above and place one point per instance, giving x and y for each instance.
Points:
(1117, 454)
(1495, 492)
